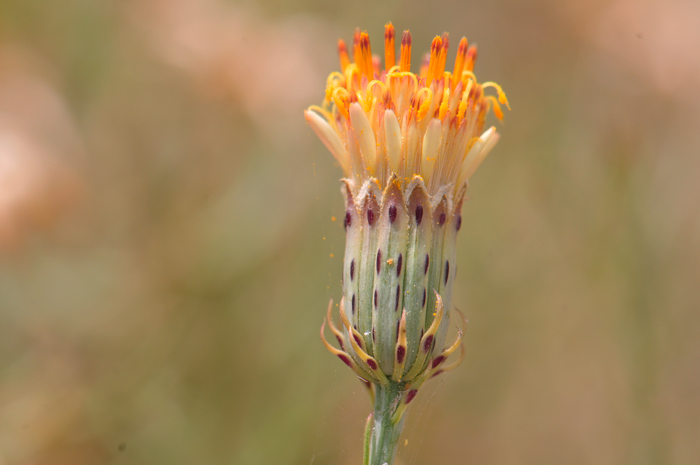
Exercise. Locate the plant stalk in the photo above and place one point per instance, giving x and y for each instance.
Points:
(384, 436)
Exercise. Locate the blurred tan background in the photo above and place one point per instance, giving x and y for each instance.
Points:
(168, 243)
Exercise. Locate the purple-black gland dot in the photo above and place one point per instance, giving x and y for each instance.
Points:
(392, 213)
(411, 394)
(357, 339)
(428, 342)
(458, 223)
(400, 354)
(379, 260)
(427, 264)
(436, 373)
(447, 271)
(352, 269)
(374, 335)
(441, 220)
(372, 364)
(419, 214)
(345, 359)
(438, 360)
(399, 263)
(340, 342)
(398, 325)
(370, 217)
(348, 220)
(353, 304)
(375, 298)
(398, 296)
(355, 327)
(425, 296)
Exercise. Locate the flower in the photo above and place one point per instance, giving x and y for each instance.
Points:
(408, 144)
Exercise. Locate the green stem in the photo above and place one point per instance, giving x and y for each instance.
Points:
(384, 437)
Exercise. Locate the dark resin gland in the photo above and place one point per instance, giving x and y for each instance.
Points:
(427, 264)
(400, 354)
(428, 343)
(370, 217)
(458, 223)
(358, 340)
(425, 297)
(352, 269)
(438, 360)
(372, 364)
(398, 296)
(398, 326)
(392, 213)
(447, 271)
(419, 214)
(441, 220)
(375, 297)
(411, 394)
(353, 304)
(399, 263)
(348, 220)
(379, 260)
(345, 359)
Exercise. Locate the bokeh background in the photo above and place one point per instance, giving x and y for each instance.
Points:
(169, 242)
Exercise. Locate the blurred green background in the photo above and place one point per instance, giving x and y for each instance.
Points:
(168, 241)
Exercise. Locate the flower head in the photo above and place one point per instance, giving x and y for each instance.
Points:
(379, 122)
(408, 144)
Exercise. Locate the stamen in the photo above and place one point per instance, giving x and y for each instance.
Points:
(343, 53)
(365, 64)
(443, 54)
(406, 52)
(471, 58)
(434, 63)
(389, 49)
(356, 49)
(459, 62)
(424, 67)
